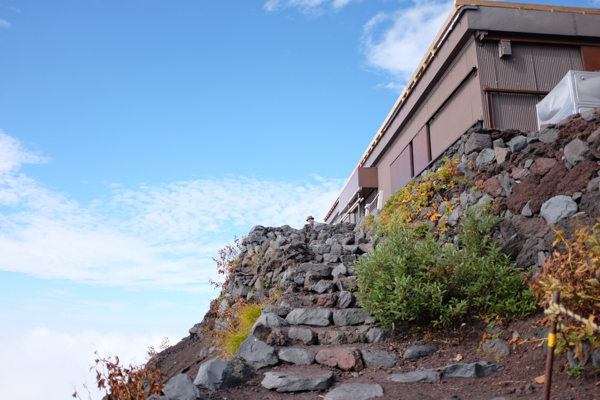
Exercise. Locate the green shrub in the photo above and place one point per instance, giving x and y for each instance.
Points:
(412, 276)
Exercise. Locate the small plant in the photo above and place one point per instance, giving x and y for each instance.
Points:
(407, 203)
(164, 345)
(596, 372)
(574, 274)
(254, 290)
(225, 265)
(126, 383)
(575, 372)
(267, 285)
(494, 336)
(240, 327)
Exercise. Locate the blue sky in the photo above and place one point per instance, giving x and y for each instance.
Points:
(137, 137)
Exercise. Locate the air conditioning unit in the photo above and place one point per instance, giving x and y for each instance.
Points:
(577, 92)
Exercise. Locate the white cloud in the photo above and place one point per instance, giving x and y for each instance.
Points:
(313, 7)
(64, 359)
(396, 42)
(148, 236)
(4, 24)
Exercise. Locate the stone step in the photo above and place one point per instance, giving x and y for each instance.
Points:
(311, 335)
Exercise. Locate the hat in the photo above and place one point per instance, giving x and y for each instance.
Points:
(309, 217)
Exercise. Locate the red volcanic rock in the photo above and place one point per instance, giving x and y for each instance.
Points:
(518, 173)
(577, 178)
(345, 358)
(541, 166)
(522, 193)
(594, 135)
(493, 187)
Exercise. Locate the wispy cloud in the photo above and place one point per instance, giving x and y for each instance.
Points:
(4, 24)
(15, 9)
(396, 42)
(312, 7)
(148, 236)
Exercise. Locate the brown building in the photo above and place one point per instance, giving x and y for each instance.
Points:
(489, 65)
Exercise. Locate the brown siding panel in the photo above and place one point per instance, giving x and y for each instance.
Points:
(591, 58)
(532, 66)
(456, 116)
(515, 111)
(421, 151)
(401, 169)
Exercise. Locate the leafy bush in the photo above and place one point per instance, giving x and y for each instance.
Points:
(413, 277)
(574, 274)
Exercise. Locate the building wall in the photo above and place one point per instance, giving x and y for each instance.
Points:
(465, 61)
(532, 66)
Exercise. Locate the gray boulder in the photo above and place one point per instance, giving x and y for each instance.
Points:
(497, 347)
(345, 299)
(575, 362)
(277, 310)
(576, 151)
(455, 215)
(302, 381)
(474, 370)
(350, 316)
(241, 373)
(589, 115)
(506, 182)
(297, 356)
(486, 157)
(376, 335)
(321, 270)
(419, 350)
(528, 256)
(557, 208)
(214, 375)
(181, 387)
(596, 358)
(478, 142)
(256, 353)
(323, 286)
(517, 144)
(498, 144)
(309, 316)
(340, 269)
(417, 376)
(270, 320)
(304, 335)
(548, 135)
(355, 391)
(378, 358)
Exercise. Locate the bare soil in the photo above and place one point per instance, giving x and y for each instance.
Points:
(515, 381)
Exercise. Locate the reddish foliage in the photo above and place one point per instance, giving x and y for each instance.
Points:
(226, 263)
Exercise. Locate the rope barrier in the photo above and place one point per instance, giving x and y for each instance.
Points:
(554, 309)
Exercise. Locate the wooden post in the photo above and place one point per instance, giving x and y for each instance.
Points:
(550, 354)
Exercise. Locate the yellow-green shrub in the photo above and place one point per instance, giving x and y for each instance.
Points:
(244, 318)
(575, 275)
(406, 204)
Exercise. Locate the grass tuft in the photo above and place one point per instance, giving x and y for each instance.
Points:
(245, 318)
